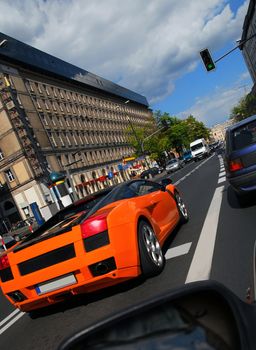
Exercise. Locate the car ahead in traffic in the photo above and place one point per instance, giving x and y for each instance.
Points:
(240, 156)
(199, 149)
(106, 238)
(151, 172)
(173, 165)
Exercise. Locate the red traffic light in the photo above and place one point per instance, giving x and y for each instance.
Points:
(207, 60)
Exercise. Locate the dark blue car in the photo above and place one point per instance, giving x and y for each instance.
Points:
(240, 156)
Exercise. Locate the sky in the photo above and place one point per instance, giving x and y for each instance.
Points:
(149, 46)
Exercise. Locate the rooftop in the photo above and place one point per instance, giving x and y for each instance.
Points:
(27, 56)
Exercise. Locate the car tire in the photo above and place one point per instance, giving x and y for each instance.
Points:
(181, 208)
(244, 199)
(152, 259)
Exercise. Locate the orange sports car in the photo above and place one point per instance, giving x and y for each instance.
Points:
(104, 239)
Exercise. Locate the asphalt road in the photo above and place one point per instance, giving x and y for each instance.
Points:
(216, 243)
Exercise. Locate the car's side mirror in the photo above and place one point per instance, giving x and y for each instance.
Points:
(166, 182)
(204, 314)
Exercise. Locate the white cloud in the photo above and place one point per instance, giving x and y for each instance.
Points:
(216, 108)
(144, 45)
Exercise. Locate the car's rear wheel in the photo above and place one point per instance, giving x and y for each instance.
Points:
(181, 208)
(244, 199)
(151, 256)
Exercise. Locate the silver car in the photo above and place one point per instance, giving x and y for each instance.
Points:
(173, 165)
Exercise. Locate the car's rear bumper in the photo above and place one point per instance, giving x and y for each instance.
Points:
(243, 183)
(83, 285)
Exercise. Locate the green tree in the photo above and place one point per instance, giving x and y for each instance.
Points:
(245, 108)
(178, 135)
(197, 130)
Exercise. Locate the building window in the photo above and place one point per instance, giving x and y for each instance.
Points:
(44, 119)
(74, 138)
(52, 139)
(67, 121)
(47, 90)
(19, 101)
(9, 175)
(73, 109)
(80, 138)
(31, 86)
(38, 104)
(68, 140)
(53, 120)
(46, 105)
(61, 93)
(60, 121)
(61, 140)
(39, 88)
(1, 155)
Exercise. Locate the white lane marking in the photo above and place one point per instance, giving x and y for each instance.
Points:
(192, 171)
(222, 168)
(222, 179)
(177, 251)
(9, 324)
(223, 173)
(9, 316)
(200, 267)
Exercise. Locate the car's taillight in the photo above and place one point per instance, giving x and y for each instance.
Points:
(94, 225)
(4, 262)
(235, 165)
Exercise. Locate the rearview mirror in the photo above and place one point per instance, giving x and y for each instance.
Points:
(166, 181)
(202, 315)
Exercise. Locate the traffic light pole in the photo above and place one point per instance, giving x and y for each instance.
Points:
(238, 46)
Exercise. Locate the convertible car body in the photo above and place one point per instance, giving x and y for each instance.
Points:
(104, 239)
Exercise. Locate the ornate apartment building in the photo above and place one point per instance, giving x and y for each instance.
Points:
(56, 117)
(249, 47)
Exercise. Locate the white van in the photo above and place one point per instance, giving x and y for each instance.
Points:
(199, 149)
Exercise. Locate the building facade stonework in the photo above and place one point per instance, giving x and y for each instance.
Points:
(218, 131)
(55, 117)
(249, 47)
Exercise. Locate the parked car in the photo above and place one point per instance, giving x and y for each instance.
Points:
(8, 242)
(187, 156)
(240, 156)
(173, 165)
(102, 240)
(151, 172)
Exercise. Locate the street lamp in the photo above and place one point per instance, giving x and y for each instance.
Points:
(140, 143)
(75, 196)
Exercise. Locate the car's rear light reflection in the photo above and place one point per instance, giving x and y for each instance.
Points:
(4, 262)
(94, 225)
(235, 165)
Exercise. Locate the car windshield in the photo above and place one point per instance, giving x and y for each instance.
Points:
(244, 136)
(197, 146)
(173, 161)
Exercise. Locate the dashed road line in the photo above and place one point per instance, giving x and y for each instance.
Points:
(178, 251)
(221, 179)
(192, 171)
(200, 267)
(13, 320)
